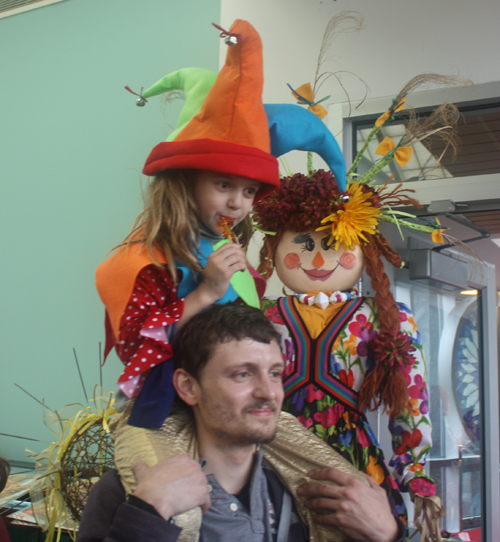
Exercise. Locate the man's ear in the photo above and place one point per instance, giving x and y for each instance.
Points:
(186, 387)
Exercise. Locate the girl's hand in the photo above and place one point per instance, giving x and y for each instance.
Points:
(222, 264)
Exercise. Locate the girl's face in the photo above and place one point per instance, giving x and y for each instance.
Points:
(218, 195)
(304, 262)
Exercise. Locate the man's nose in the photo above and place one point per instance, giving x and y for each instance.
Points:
(265, 388)
(318, 260)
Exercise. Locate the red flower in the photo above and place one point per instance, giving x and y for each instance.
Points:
(274, 315)
(393, 348)
(361, 328)
(408, 441)
(422, 486)
(362, 438)
(313, 394)
(306, 422)
(391, 482)
(330, 416)
(346, 378)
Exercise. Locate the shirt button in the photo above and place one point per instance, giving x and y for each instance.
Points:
(209, 487)
(233, 506)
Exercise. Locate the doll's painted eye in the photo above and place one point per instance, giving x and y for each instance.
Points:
(310, 244)
(324, 243)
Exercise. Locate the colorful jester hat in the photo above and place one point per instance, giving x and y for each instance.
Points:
(222, 126)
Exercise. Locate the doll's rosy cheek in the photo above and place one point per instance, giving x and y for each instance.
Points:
(348, 260)
(292, 260)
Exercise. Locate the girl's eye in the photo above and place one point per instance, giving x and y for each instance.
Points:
(324, 243)
(309, 244)
(251, 192)
(223, 184)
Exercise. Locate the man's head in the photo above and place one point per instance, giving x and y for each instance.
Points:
(229, 371)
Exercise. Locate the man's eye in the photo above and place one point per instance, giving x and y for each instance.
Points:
(243, 374)
(276, 375)
(324, 243)
(309, 244)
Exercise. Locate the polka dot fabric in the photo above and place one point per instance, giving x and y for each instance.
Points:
(144, 327)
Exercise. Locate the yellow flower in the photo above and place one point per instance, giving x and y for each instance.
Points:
(437, 235)
(305, 92)
(351, 344)
(415, 412)
(358, 217)
(400, 106)
(402, 154)
(375, 471)
(347, 420)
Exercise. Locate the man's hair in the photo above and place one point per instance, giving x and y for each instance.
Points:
(219, 324)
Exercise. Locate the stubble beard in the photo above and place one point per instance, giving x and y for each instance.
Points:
(243, 434)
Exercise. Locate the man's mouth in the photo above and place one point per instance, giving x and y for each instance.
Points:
(266, 409)
(319, 274)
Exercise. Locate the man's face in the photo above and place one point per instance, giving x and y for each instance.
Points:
(239, 393)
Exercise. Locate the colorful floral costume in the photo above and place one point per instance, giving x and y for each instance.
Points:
(327, 358)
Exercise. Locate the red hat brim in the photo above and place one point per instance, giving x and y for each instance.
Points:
(218, 156)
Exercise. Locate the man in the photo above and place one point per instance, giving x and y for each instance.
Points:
(229, 379)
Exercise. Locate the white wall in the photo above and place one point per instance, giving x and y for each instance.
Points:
(401, 38)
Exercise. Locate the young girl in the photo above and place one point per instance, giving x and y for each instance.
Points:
(171, 266)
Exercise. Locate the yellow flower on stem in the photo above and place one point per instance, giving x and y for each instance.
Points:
(402, 154)
(415, 412)
(383, 118)
(437, 234)
(375, 471)
(347, 420)
(358, 217)
(304, 94)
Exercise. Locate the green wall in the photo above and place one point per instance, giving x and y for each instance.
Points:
(72, 145)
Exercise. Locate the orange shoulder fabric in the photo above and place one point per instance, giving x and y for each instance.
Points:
(115, 279)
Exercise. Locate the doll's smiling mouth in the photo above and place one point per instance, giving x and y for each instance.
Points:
(320, 274)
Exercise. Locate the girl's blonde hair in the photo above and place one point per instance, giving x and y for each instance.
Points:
(169, 222)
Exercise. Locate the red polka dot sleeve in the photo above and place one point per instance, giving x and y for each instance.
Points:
(146, 327)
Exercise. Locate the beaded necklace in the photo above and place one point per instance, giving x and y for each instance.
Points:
(322, 300)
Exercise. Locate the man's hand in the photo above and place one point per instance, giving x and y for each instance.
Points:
(173, 486)
(361, 512)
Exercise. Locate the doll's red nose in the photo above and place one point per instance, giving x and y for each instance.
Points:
(318, 260)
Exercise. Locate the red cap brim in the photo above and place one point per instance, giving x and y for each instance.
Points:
(218, 156)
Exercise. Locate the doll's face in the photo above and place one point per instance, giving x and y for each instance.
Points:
(305, 262)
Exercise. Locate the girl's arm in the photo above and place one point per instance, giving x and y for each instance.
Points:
(154, 312)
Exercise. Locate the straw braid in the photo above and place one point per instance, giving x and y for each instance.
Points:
(391, 348)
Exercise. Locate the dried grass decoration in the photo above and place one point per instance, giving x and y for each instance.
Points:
(67, 470)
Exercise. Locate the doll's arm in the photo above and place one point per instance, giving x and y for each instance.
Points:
(411, 430)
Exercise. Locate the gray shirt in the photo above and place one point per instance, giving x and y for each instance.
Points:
(228, 520)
